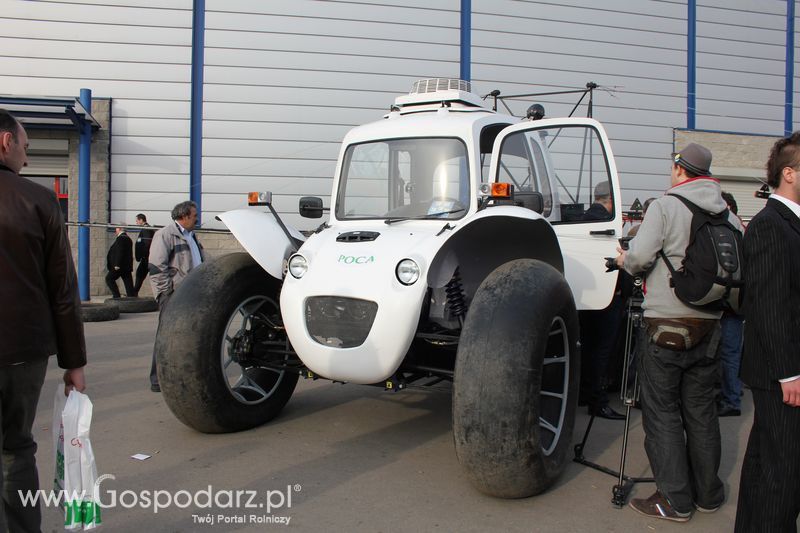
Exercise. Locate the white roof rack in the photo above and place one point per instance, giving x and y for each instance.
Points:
(437, 90)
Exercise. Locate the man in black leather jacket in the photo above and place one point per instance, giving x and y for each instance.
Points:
(40, 316)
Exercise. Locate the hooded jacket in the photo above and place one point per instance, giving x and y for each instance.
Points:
(667, 227)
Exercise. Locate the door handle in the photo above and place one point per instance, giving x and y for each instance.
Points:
(603, 232)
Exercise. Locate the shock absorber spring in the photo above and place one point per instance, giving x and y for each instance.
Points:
(455, 297)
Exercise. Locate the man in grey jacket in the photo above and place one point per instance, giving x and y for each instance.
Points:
(679, 414)
(175, 251)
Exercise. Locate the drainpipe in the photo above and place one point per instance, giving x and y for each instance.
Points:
(84, 200)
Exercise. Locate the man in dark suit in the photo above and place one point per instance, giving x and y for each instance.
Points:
(120, 264)
(769, 493)
(142, 251)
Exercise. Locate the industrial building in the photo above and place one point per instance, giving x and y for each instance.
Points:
(209, 99)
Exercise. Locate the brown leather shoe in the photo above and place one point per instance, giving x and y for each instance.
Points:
(658, 506)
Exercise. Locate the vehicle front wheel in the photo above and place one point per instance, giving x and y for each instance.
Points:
(222, 350)
(516, 380)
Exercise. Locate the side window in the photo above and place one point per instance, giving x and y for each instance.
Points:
(567, 165)
(523, 165)
(368, 189)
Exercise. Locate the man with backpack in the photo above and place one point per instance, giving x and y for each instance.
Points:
(687, 227)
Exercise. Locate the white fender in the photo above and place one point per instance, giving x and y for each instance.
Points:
(261, 235)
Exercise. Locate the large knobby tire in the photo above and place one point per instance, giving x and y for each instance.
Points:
(516, 380)
(224, 309)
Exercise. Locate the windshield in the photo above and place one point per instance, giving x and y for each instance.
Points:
(404, 178)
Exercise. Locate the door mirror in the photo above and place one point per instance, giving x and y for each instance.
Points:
(311, 207)
(532, 200)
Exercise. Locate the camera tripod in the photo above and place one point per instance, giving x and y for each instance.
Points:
(629, 394)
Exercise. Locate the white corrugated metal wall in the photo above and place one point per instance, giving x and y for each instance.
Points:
(137, 52)
(741, 65)
(285, 79)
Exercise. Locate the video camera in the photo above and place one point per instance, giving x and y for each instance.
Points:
(611, 262)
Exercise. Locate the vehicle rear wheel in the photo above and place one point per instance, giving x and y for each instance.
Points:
(221, 348)
(516, 380)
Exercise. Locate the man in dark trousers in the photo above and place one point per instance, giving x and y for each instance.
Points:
(142, 251)
(119, 262)
(176, 252)
(677, 357)
(40, 316)
(599, 328)
(769, 491)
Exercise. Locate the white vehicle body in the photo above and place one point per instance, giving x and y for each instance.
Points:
(366, 270)
(460, 246)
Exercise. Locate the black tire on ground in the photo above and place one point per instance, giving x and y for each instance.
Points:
(516, 380)
(226, 307)
(134, 305)
(97, 312)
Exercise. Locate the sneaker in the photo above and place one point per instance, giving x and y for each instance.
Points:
(707, 509)
(657, 506)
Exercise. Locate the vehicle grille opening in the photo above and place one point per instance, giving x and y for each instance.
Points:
(358, 236)
(339, 322)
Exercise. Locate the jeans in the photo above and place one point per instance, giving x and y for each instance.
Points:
(679, 417)
(730, 353)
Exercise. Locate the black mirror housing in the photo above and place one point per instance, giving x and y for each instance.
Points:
(311, 207)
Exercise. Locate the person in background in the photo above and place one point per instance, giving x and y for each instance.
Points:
(635, 229)
(40, 316)
(119, 262)
(599, 328)
(174, 253)
(769, 491)
(142, 251)
(730, 350)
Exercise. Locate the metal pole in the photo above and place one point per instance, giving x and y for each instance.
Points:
(691, 65)
(789, 103)
(196, 118)
(466, 40)
(84, 199)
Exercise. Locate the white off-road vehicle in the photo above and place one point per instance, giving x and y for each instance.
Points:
(459, 246)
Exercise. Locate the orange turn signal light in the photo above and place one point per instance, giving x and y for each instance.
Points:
(501, 190)
(259, 198)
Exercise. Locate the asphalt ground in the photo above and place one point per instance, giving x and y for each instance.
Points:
(351, 458)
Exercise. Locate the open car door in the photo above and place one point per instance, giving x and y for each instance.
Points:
(569, 161)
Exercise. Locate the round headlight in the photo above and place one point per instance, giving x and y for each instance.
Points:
(298, 266)
(407, 272)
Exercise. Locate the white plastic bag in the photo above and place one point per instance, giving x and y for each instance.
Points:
(76, 471)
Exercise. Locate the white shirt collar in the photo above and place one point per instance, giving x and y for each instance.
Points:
(788, 203)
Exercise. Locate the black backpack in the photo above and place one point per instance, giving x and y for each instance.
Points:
(710, 277)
